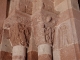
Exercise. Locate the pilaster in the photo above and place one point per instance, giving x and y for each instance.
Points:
(43, 23)
(68, 17)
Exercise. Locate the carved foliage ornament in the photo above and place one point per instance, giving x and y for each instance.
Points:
(24, 34)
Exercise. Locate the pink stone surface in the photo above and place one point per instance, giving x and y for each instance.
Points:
(3, 8)
(30, 23)
(44, 57)
(68, 53)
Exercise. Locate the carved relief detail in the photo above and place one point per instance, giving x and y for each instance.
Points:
(20, 30)
(24, 34)
(49, 30)
(64, 35)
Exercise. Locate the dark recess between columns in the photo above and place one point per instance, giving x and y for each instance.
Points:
(79, 3)
(8, 6)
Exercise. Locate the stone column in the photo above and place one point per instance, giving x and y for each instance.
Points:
(43, 33)
(44, 52)
(18, 52)
(43, 20)
(32, 53)
(67, 37)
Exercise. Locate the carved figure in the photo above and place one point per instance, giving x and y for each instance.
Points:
(63, 36)
(49, 30)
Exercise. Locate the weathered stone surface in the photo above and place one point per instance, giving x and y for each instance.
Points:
(3, 8)
(68, 53)
(39, 30)
(43, 4)
(19, 31)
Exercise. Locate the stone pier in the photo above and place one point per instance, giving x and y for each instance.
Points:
(39, 29)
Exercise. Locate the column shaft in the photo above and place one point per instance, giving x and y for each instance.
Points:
(18, 53)
(44, 52)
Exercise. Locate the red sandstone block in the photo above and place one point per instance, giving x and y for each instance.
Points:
(68, 53)
(76, 14)
(45, 57)
(6, 55)
(77, 50)
(33, 55)
(77, 26)
(3, 8)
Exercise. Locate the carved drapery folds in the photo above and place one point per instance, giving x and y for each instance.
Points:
(49, 30)
(64, 35)
(49, 35)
